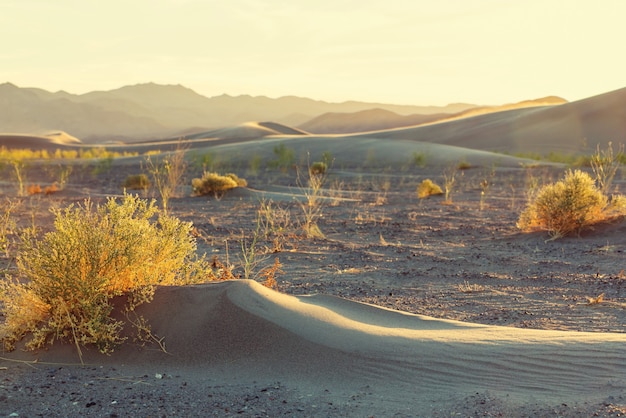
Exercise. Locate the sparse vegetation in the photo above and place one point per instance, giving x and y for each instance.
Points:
(318, 168)
(312, 206)
(604, 164)
(276, 223)
(463, 165)
(7, 224)
(427, 188)
(467, 287)
(485, 184)
(255, 164)
(136, 182)
(449, 178)
(216, 184)
(569, 205)
(419, 159)
(167, 174)
(59, 154)
(102, 166)
(18, 171)
(595, 300)
(327, 158)
(33, 189)
(204, 161)
(285, 158)
(60, 173)
(66, 281)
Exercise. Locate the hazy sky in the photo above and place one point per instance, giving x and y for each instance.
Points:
(393, 51)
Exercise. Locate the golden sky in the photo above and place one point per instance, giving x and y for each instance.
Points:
(395, 51)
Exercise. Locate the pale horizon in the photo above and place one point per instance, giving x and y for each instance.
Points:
(406, 52)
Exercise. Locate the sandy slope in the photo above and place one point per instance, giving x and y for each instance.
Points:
(568, 128)
(320, 341)
(51, 140)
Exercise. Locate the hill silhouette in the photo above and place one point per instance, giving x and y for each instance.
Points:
(149, 111)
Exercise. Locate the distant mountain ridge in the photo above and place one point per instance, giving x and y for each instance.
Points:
(150, 110)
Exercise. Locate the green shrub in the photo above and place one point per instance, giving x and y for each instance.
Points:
(317, 168)
(569, 205)
(136, 182)
(428, 188)
(67, 280)
(216, 183)
(286, 158)
(419, 159)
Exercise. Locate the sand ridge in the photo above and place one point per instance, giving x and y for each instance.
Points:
(324, 339)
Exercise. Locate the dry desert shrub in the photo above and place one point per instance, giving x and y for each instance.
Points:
(605, 164)
(427, 188)
(569, 205)
(33, 189)
(66, 281)
(167, 173)
(216, 184)
(312, 206)
(48, 190)
(136, 182)
(318, 168)
(7, 224)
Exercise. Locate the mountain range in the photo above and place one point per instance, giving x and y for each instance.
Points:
(148, 111)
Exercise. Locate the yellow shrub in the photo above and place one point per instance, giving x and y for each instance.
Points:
(216, 184)
(92, 255)
(568, 206)
(428, 188)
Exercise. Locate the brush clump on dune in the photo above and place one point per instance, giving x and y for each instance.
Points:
(570, 205)
(213, 183)
(66, 281)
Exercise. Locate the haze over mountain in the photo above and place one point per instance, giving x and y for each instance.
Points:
(146, 111)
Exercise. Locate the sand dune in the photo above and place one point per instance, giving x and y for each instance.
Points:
(248, 329)
(380, 119)
(569, 128)
(366, 120)
(51, 140)
(248, 130)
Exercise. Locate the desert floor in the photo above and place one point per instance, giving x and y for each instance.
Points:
(463, 260)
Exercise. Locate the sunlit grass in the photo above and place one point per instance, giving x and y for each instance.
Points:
(59, 154)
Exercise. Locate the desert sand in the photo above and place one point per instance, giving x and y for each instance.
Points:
(406, 306)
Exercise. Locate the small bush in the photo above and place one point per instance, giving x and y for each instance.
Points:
(67, 279)
(216, 184)
(428, 188)
(286, 158)
(33, 189)
(419, 159)
(136, 182)
(240, 182)
(568, 206)
(318, 168)
(53, 188)
(7, 224)
(463, 165)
